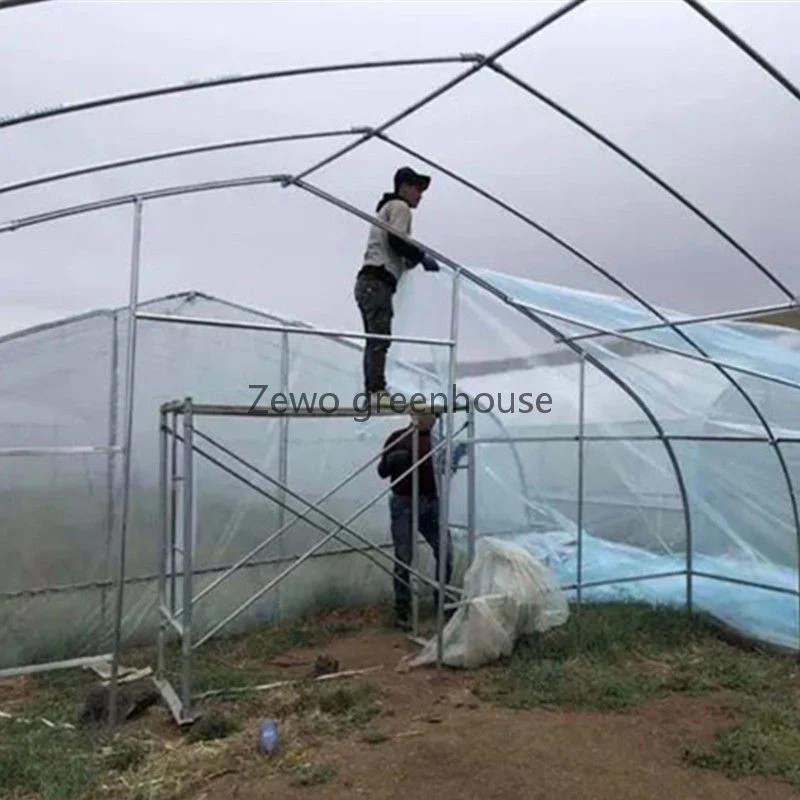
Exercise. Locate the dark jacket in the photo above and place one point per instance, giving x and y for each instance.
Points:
(397, 458)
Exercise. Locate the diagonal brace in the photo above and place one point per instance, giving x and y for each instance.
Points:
(305, 556)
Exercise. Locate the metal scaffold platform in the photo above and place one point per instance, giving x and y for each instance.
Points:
(179, 442)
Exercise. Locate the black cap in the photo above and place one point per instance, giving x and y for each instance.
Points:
(408, 175)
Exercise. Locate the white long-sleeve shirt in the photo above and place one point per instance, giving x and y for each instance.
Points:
(380, 252)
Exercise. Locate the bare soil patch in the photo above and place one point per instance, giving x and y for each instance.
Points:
(442, 742)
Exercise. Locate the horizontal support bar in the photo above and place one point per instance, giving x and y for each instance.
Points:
(72, 663)
(199, 571)
(201, 410)
(489, 534)
(261, 326)
(565, 438)
(730, 316)
(632, 579)
(713, 362)
(88, 450)
(677, 437)
(744, 582)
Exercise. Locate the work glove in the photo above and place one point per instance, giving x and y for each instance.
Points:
(459, 452)
(429, 263)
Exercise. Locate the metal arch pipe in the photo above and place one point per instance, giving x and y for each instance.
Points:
(172, 191)
(6, 4)
(576, 348)
(792, 89)
(179, 153)
(746, 48)
(189, 86)
(646, 171)
(480, 62)
(652, 309)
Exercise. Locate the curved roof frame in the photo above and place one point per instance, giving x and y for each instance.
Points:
(366, 134)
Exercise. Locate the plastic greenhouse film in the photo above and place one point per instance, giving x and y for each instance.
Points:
(508, 593)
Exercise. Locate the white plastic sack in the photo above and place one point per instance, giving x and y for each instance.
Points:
(508, 593)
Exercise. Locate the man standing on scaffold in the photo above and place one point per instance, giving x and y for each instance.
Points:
(386, 258)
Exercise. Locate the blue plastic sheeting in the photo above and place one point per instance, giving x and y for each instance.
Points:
(728, 342)
(762, 614)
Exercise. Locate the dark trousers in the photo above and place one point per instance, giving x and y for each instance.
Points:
(374, 300)
(400, 509)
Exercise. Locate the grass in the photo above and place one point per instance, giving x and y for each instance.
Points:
(60, 764)
(607, 659)
(765, 742)
(314, 775)
(613, 658)
(211, 727)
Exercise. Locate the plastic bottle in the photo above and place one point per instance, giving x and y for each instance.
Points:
(268, 737)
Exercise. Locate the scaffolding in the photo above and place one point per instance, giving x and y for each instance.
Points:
(187, 409)
(178, 492)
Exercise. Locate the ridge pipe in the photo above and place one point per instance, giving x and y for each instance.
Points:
(481, 61)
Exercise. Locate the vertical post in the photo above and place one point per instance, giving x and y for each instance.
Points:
(163, 551)
(133, 300)
(187, 560)
(581, 437)
(414, 581)
(444, 511)
(283, 453)
(113, 399)
(173, 513)
(689, 557)
(471, 481)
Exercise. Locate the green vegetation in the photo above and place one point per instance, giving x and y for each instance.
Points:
(613, 658)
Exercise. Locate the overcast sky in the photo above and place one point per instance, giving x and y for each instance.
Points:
(650, 74)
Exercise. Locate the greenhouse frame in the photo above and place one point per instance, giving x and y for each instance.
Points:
(666, 471)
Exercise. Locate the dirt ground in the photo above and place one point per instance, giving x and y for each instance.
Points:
(443, 743)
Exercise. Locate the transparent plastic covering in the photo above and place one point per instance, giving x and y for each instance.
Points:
(685, 467)
(657, 495)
